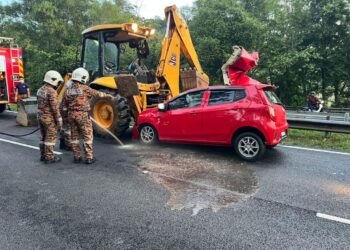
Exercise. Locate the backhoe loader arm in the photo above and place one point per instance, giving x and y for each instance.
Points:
(178, 39)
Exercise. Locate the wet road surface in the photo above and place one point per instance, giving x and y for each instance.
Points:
(197, 179)
(171, 197)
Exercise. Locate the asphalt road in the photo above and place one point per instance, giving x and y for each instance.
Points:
(171, 197)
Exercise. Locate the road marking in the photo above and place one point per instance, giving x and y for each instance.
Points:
(10, 111)
(333, 218)
(315, 150)
(26, 145)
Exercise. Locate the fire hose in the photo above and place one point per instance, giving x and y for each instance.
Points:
(13, 135)
(109, 132)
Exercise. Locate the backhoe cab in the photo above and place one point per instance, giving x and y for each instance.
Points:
(104, 49)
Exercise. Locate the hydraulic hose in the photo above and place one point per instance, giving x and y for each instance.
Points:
(12, 135)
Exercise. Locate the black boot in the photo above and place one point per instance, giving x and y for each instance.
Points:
(62, 144)
(77, 160)
(90, 161)
(53, 160)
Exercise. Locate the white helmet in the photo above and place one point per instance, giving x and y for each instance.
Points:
(53, 78)
(80, 75)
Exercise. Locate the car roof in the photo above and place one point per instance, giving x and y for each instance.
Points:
(218, 87)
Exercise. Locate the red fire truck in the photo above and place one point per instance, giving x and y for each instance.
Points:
(11, 69)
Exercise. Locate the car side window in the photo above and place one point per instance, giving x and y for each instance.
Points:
(222, 96)
(190, 100)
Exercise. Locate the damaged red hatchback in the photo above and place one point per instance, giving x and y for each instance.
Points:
(249, 118)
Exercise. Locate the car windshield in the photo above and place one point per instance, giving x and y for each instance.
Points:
(272, 97)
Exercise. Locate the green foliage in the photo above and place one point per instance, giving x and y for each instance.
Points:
(50, 31)
(304, 45)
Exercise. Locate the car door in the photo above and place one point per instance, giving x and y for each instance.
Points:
(182, 121)
(223, 112)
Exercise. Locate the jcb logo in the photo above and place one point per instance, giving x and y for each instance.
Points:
(172, 61)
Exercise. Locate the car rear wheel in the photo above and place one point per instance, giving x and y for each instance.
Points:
(148, 134)
(249, 146)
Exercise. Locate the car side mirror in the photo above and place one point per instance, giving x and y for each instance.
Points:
(161, 107)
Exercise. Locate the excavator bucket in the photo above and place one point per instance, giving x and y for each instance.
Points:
(191, 78)
(27, 112)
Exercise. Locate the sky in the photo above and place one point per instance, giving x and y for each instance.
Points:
(152, 8)
(147, 8)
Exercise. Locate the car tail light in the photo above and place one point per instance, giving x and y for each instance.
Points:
(271, 112)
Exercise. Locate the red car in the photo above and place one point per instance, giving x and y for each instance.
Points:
(249, 118)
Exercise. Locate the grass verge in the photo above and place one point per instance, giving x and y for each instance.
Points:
(315, 139)
(12, 107)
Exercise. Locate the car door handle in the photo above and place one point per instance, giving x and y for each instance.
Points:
(193, 113)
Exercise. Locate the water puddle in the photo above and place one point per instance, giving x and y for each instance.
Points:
(198, 177)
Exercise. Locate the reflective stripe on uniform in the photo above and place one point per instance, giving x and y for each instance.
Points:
(49, 143)
(74, 142)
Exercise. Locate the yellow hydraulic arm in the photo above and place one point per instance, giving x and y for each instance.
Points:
(178, 39)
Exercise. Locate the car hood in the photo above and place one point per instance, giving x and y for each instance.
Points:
(149, 112)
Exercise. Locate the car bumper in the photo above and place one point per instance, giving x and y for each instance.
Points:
(278, 134)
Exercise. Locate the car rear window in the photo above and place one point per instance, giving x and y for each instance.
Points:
(272, 97)
(223, 96)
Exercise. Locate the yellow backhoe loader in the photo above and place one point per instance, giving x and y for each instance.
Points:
(135, 87)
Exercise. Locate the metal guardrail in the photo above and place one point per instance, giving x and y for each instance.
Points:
(326, 122)
(320, 125)
(345, 117)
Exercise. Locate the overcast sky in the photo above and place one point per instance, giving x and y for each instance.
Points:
(152, 8)
(147, 8)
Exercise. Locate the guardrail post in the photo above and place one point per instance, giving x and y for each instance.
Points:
(327, 134)
(346, 117)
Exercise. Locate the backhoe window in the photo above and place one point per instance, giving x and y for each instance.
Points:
(110, 58)
(90, 61)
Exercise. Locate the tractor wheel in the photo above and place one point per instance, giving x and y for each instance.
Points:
(113, 115)
(2, 107)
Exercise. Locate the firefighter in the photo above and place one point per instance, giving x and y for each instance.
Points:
(76, 103)
(49, 116)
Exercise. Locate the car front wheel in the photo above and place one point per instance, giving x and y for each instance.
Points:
(249, 146)
(148, 134)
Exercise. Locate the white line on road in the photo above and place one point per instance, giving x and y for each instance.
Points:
(25, 145)
(10, 111)
(316, 150)
(333, 218)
